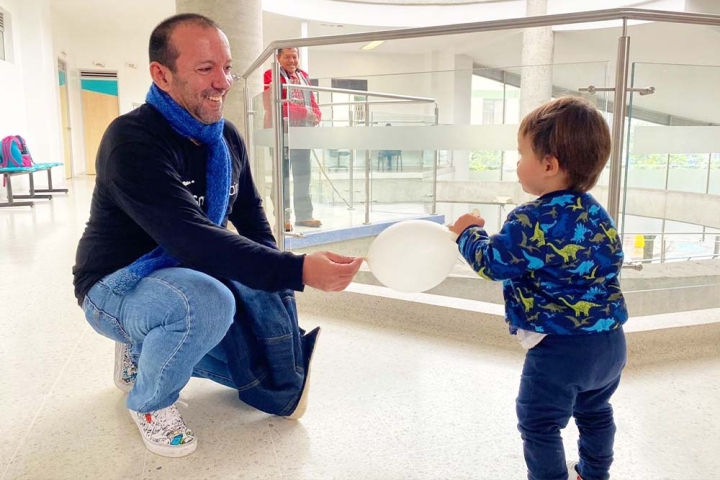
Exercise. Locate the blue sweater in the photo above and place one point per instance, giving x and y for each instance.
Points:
(559, 258)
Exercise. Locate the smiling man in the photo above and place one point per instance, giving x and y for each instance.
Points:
(158, 272)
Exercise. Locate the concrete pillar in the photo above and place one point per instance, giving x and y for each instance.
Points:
(451, 86)
(241, 20)
(303, 51)
(537, 59)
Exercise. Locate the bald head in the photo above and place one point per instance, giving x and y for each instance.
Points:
(162, 49)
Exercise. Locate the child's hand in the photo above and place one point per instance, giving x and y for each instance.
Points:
(465, 221)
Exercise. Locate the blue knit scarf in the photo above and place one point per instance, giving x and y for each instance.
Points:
(217, 184)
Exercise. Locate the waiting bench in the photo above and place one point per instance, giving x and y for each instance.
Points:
(10, 172)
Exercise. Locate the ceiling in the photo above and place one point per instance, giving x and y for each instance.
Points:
(419, 2)
(125, 15)
(650, 42)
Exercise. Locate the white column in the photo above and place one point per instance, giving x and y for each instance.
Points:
(451, 86)
(537, 59)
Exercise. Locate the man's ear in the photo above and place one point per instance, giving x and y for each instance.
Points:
(161, 75)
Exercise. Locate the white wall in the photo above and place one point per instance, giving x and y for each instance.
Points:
(123, 52)
(62, 45)
(12, 93)
(29, 85)
(122, 49)
(40, 80)
(392, 73)
(386, 73)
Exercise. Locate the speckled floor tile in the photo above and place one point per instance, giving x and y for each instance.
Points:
(385, 403)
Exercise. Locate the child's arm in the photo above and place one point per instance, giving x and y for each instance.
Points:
(512, 252)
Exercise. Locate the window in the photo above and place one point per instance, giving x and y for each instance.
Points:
(488, 111)
(2, 35)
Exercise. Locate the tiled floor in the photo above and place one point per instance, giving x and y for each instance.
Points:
(385, 404)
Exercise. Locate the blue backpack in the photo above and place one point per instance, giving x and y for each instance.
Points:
(14, 153)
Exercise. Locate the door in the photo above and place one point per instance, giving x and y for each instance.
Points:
(100, 107)
(65, 118)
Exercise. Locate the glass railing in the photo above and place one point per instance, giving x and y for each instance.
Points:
(360, 171)
(435, 134)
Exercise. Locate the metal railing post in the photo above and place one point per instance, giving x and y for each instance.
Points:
(368, 198)
(279, 195)
(621, 76)
(433, 209)
(249, 114)
(351, 164)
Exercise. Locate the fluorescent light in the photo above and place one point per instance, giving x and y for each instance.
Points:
(372, 45)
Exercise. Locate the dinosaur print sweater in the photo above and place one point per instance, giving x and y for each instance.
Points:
(559, 258)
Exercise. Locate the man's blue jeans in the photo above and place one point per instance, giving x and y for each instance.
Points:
(566, 376)
(172, 319)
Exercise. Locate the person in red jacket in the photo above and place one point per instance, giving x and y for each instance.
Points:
(300, 110)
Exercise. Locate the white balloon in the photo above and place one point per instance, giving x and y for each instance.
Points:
(413, 255)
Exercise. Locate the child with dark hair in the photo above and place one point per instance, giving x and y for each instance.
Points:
(559, 258)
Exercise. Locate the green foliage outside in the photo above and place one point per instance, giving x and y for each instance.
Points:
(485, 160)
(481, 160)
(655, 160)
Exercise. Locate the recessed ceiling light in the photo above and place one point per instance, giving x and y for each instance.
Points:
(372, 45)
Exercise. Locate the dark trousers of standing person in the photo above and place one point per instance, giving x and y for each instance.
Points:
(298, 161)
(570, 376)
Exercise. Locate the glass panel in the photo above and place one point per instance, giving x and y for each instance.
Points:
(487, 181)
(261, 149)
(672, 148)
(383, 143)
(671, 185)
(366, 168)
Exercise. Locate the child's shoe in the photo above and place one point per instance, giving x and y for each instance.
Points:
(572, 471)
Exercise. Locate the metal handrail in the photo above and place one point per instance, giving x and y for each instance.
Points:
(707, 234)
(358, 92)
(379, 102)
(487, 26)
(684, 258)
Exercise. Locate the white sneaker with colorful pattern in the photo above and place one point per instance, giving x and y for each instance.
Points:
(164, 432)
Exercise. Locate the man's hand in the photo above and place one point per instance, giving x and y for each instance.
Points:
(329, 271)
(312, 118)
(465, 221)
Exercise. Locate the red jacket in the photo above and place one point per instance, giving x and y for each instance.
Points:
(295, 112)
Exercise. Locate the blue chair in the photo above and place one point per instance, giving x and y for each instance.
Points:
(9, 172)
(338, 155)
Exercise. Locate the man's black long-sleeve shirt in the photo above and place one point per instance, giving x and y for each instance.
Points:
(150, 191)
